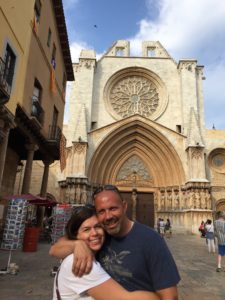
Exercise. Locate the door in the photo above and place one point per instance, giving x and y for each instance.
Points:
(144, 208)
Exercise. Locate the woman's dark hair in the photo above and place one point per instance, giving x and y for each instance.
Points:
(79, 215)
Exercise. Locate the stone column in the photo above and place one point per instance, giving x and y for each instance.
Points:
(134, 204)
(44, 183)
(31, 148)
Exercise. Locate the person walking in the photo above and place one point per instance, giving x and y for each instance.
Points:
(168, 228)
(133, 254)
(219, 227)
(210, 237)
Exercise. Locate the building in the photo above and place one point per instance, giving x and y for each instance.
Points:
(35, 64)
(138, 123)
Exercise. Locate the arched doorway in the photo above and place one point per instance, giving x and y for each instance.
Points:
(220, 205)
(137, 149)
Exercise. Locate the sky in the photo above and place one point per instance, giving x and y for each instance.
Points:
(188, 29)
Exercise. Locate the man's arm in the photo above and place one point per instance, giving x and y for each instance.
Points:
(62, 248)
(168, 294)
(82, 263)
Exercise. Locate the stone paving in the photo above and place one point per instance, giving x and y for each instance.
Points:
(197, 268)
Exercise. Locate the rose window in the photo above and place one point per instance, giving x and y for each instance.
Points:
(134, 95)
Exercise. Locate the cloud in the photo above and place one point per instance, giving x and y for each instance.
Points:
(191, 29)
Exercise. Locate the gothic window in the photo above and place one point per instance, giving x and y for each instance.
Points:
(49, 37)
(218, 160)
(119, 52)
(151, 52)
(134, 94)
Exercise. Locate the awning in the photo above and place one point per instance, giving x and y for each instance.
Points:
(32, 199)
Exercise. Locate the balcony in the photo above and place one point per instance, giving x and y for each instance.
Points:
(37, 111)
(54, 133)
(5, 78)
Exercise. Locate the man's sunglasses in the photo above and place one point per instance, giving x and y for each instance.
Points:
(107, 187)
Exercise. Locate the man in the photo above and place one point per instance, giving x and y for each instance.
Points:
(219, 228)
(133, 254)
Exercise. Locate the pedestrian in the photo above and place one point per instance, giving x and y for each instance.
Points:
(202, 229)
(219, 227)
(210, 237)
(158, 225)
(162, 227)
(84, 225)
(168, 228)
(133, 254)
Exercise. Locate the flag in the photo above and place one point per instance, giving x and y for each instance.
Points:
(52, 81)
(62, 151)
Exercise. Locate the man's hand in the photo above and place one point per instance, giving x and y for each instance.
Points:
(83, 259)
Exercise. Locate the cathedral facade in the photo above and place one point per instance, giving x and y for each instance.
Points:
(138, 123)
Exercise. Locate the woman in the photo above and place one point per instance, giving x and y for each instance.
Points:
(168, 229)
(209, 228)
(98, 285)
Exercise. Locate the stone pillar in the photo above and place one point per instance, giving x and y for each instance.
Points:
(44, 182)
(134, 204)
(31, 148)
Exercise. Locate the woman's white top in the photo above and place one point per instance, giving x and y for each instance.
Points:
(209, 227)
(72, 287)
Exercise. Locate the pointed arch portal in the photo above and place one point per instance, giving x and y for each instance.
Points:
(159, 165)
(140, 139)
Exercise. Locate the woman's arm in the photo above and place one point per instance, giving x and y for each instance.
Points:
(82, 263)
(111, 290)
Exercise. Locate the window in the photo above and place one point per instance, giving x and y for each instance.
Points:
(37, 10)
(53, 134)
(53, 61)
(178, 128)
(10, 61)
(37, 110)
(64, 81)
(150, 51)
(49, 37)
(119, 51)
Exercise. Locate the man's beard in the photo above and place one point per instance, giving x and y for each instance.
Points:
(112, 231)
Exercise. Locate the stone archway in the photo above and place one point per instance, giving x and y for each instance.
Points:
(135, 137)
(220, 205)
(157, 164)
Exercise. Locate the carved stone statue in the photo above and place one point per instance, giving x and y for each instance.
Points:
(177, 200)
(162, 200)
(170, 200)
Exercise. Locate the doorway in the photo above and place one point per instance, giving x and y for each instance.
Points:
(144, 208)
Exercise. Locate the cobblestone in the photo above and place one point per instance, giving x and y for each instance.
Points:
(197, 268)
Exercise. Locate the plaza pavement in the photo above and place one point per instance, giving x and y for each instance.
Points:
(197, 268)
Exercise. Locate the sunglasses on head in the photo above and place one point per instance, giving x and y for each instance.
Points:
(107, 187)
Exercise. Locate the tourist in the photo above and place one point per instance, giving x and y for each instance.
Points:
(209, 228)
(201, 229)
(133, 254)
(168, 228)
(219, 227)
(85, 226)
